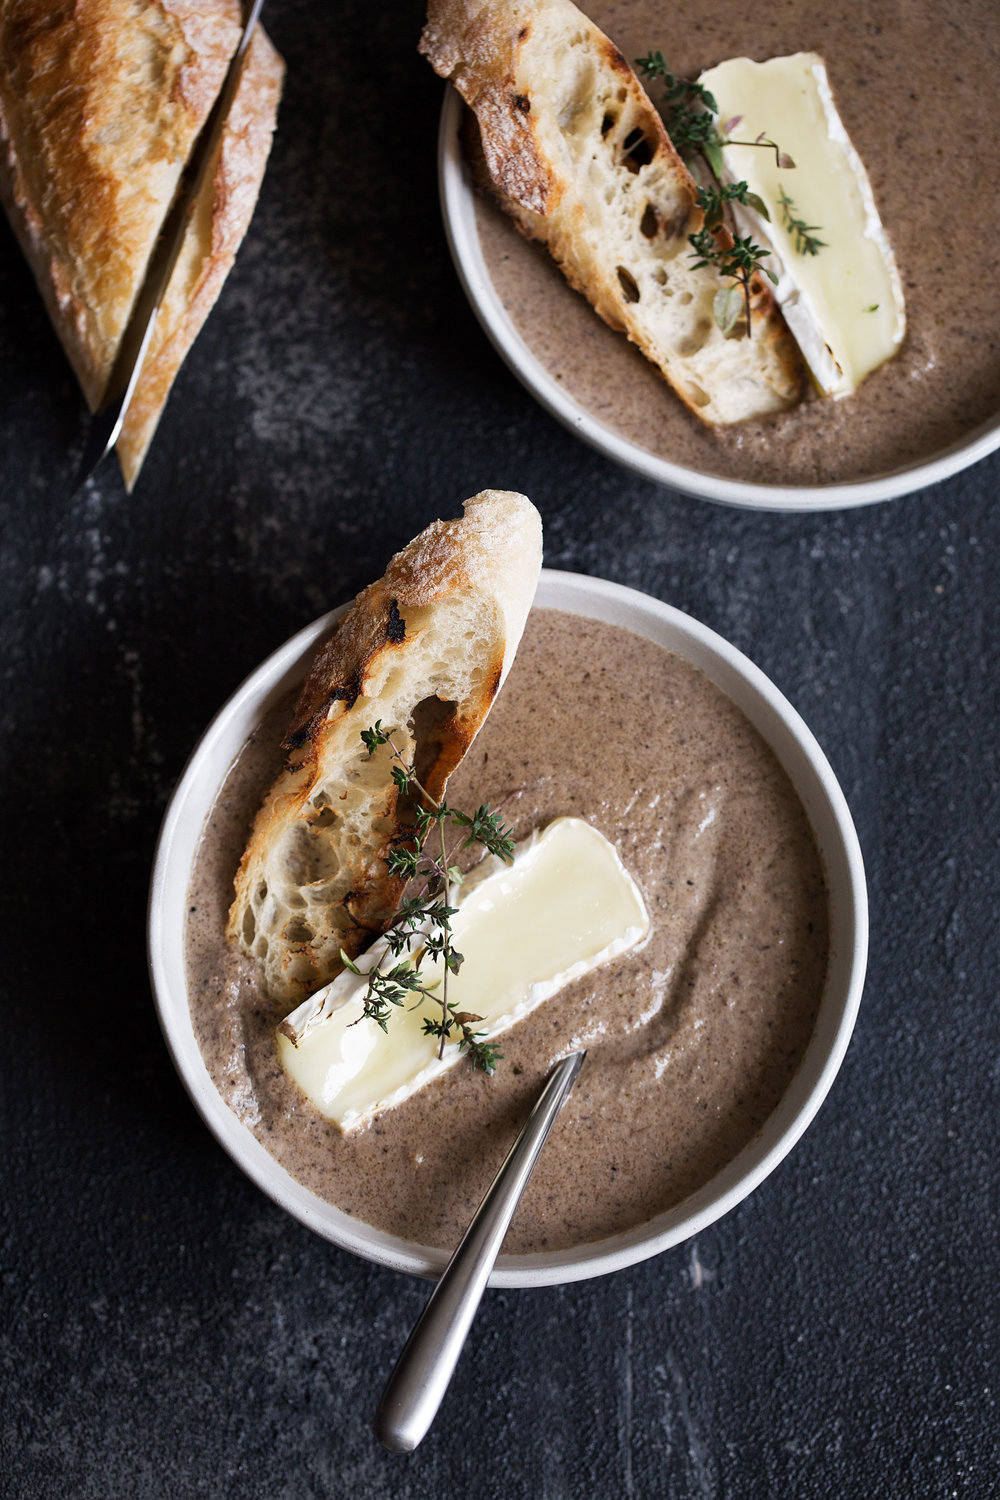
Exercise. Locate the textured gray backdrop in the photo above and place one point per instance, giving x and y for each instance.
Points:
(166, 1330)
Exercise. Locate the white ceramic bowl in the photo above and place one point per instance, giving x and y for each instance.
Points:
(821, 796)
(458, 204)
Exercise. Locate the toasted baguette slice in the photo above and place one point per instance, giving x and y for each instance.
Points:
(424, 650)
(100, 105)
(579, 157)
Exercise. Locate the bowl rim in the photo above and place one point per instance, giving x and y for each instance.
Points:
(833, 827)
(458, 199)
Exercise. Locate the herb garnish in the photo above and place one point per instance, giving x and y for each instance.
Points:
(690, 114)
(431, 877)
(803, 233)
(742, 260)
(738, 262)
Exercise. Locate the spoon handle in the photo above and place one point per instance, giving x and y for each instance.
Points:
(416, 1387)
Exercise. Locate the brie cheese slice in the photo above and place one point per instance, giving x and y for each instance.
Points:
(565, 905)
(844, 305)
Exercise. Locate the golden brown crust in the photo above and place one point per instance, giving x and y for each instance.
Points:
(99, 108)
(433, 567)
(218, 225)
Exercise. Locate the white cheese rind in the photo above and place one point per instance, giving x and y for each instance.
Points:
(566, 905)
(844, 306)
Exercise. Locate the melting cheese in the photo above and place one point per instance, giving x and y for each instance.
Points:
(565, 905)
(844, 305)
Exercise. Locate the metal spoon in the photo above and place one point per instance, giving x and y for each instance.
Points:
(416, 1387)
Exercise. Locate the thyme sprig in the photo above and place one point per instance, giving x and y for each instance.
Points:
(803, 234)
(425, 859)
(739, 262)
(690, 114)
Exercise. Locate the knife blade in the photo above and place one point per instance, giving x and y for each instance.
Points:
(106, 422)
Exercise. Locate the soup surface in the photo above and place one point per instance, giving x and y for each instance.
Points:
(908, 78)
(692, 1038)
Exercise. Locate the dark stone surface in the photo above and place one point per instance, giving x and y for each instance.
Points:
(166, 1330)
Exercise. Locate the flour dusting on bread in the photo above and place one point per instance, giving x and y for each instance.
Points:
(576, 153)
(424, 651)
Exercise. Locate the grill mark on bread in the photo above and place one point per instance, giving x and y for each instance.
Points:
(395, 630)
(348, 695)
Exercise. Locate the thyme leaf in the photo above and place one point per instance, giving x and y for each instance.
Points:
(690, 114)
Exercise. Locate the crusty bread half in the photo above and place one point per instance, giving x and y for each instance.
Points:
(424, 650)
(576, 153)
(100, 105)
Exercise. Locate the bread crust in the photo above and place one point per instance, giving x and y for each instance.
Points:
(424, 650)
(574, 150)
(100, 105)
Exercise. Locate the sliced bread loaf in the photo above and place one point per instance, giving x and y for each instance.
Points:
(100, 105)
(423, 651)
